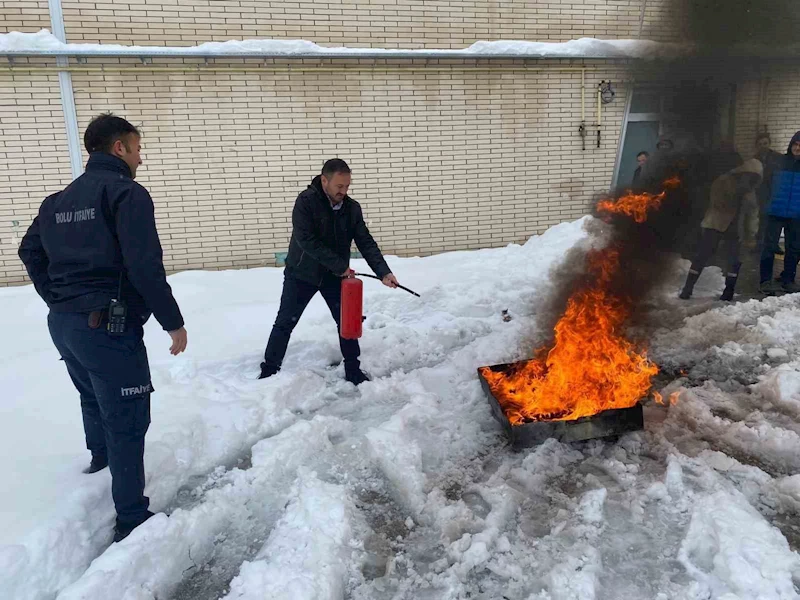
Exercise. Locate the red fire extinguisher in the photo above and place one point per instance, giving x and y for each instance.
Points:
(351, 317)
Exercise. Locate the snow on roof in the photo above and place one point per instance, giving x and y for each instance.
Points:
(45, 43)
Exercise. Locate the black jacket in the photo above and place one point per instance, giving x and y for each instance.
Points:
(637, 175)
(101, 225)
(322, 237)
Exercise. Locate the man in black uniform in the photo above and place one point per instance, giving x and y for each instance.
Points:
(325, 221)
(94, 257)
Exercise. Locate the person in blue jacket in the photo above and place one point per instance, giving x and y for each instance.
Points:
(94, 256)
(783, 215)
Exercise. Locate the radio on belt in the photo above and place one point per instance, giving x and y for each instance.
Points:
(117, 313)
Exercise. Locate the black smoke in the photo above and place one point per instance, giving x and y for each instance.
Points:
(725, 25)
(733, 42)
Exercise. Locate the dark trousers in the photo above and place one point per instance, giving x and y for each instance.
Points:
(112, 376)
(772, 235)
(762, 229)
(294, 299)
(710, 239)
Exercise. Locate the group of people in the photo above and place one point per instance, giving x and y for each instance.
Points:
(749, 205)
(94, 256)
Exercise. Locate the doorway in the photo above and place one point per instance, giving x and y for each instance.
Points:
(706, 116)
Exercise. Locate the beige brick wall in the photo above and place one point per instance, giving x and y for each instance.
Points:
(383, 23)
(444, 158)
(778, 110)
(747, 113)
(28, 16)
(34, 159)
(658, 22)
(783, 106)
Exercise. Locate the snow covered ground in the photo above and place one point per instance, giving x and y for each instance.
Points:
(304, 487)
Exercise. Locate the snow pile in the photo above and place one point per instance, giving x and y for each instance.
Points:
(44, 41)
(400, 458)
(735, 554)
(580, 48)
(305, 557)
(304, 486)
(189, 536)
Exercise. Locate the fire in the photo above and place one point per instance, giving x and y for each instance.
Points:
(673, 398)
(590, 366)
(637, 206)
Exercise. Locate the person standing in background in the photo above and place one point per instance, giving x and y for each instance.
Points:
(641, 159)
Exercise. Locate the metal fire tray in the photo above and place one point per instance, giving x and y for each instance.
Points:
(608, 423)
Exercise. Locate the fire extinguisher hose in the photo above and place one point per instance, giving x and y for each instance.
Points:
(379, 279)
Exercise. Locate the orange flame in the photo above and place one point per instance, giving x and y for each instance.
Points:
(673, 398)
(590, 367)
(637, 206)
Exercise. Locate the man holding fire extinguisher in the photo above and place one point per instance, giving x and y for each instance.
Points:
(325, 222)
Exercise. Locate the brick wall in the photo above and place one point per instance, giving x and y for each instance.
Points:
(27, 16)
(778, 110)
(384, 23)
(658, 22)
(444, 158)
(747, 117)
(783, 106)
(34, 160)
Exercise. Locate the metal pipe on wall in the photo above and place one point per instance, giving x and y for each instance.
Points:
(98, 51)
(583, 95)
(67, 94)
(582, 128)
(641, 18)
(599, 110)
(282, 69)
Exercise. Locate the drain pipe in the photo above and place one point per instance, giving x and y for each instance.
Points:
(582, 128)
(599, 111)
(67, 96)
(641, 18)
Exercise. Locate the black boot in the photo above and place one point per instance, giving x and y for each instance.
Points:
(730, 285)
(267, 371)
(123, 530)
(355, 375)
(688, 287)
(98, 464)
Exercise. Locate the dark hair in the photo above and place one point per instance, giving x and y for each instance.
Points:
(763, 136)
(333, 166)
(104, 130)
(643, 153)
